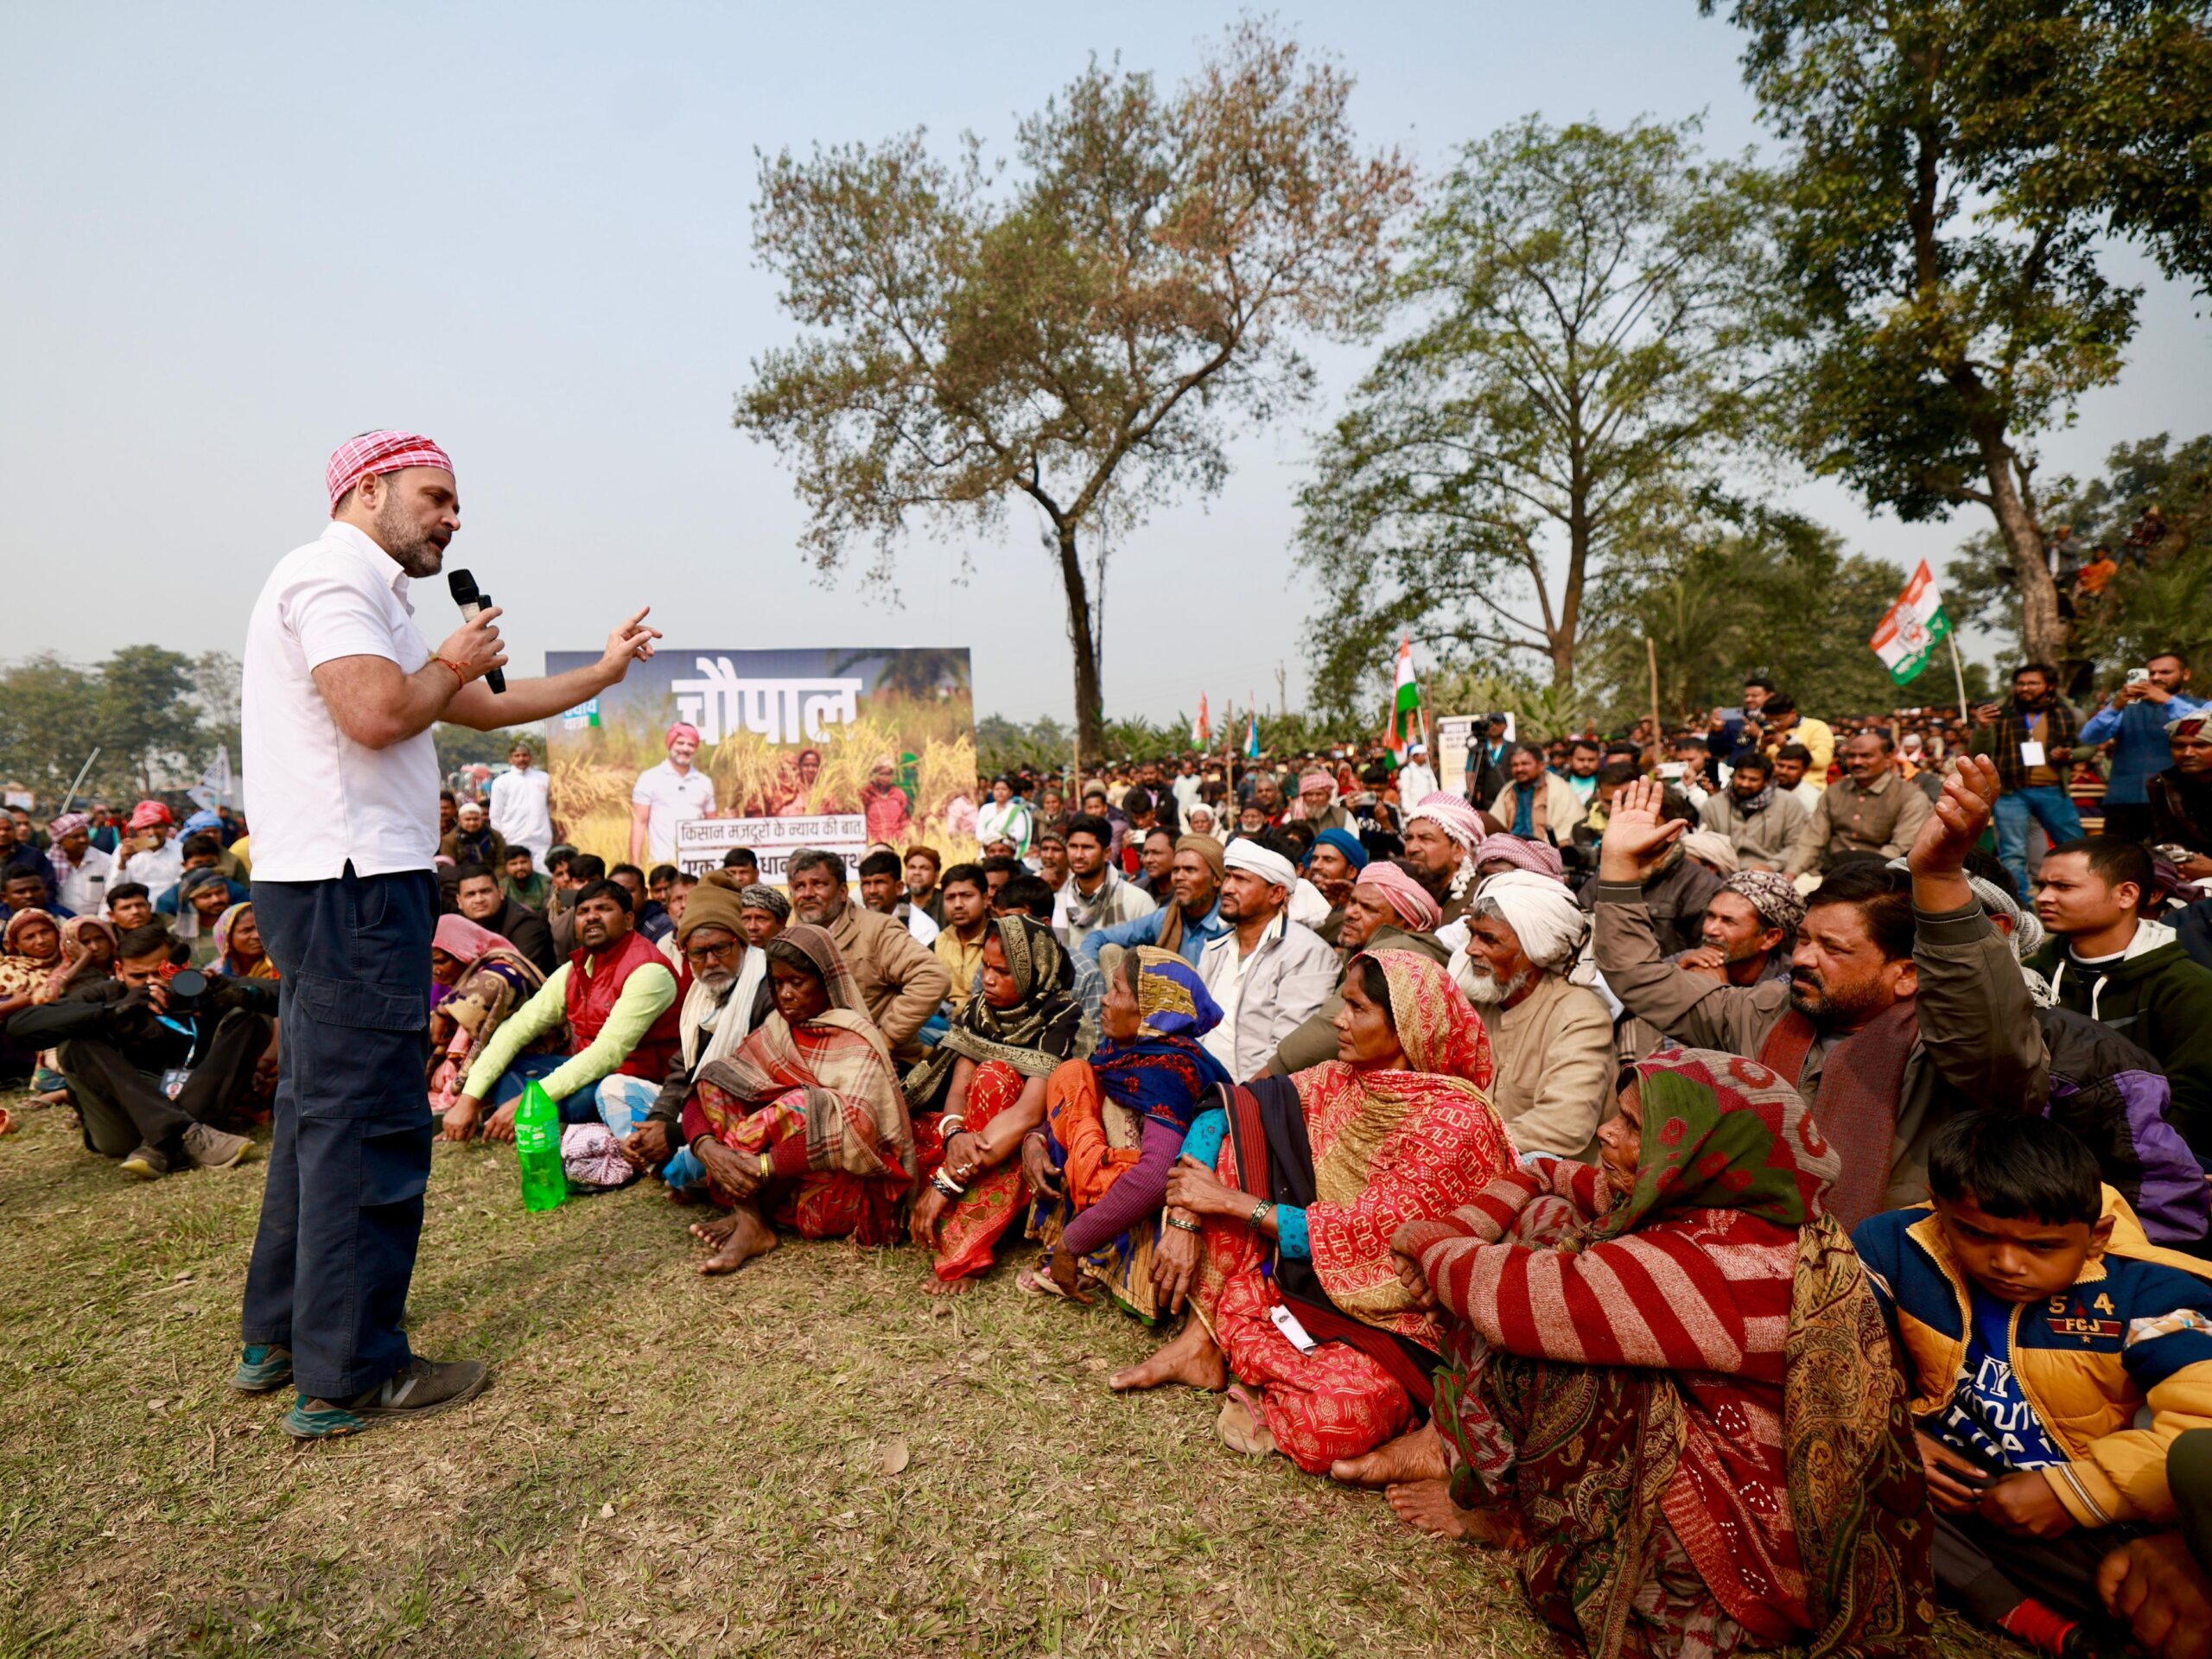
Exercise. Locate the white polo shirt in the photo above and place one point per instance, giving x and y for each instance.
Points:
(316, 799)
(675, 797)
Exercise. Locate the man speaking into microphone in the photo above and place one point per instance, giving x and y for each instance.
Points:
(340, 693)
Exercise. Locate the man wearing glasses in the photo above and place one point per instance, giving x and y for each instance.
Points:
(729, 998)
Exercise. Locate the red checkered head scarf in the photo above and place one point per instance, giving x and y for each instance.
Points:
(376, 452)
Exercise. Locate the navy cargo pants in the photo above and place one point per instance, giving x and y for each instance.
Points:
(343, 1211)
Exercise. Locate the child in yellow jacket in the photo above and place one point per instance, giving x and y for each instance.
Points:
(2036, 1325)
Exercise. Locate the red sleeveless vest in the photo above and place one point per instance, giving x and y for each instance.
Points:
(591, 998)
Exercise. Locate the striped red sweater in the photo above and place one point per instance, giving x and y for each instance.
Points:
(1702, 1294)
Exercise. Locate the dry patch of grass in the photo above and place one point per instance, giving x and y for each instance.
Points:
(808, 1458)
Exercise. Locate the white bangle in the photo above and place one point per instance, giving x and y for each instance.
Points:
(948, 1126)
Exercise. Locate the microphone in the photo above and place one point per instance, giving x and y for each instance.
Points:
(472, 603)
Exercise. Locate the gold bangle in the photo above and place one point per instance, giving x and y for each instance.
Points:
(768, 1166)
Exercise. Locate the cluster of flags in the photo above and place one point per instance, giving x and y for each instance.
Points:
(1404, 723)
(1201, 728)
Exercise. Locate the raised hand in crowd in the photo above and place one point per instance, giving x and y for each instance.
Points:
(1635, 840)
(1938, 857)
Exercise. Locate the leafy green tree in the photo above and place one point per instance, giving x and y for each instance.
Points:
(1084, 340)
(1580, 327)
(146, 719)
(2152, 507)
(1956, 170)
(45, 734)
(1747, 589)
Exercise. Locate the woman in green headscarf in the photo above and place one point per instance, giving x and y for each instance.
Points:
(980, 1090)
(1669, 1386)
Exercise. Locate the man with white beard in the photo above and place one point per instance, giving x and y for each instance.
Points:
(1551, 1037)
(729, 996)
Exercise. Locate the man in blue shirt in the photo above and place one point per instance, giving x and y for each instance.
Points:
(2134, 722)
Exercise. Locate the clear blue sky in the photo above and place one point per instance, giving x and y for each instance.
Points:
(232, 236)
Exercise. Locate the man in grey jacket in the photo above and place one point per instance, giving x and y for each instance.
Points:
(1266, 973)
(1863, 955)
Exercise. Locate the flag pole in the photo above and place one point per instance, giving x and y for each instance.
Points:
(1958, 673)
(79, 779)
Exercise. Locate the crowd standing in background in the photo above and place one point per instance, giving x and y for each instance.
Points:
(1755, 1172)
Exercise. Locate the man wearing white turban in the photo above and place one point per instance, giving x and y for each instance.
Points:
(1551, 1037)
(1267, 973)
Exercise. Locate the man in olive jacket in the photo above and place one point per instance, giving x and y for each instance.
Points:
(1862, 954)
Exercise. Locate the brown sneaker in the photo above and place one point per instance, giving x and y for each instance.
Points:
(145, 1165)
(422, 1388)
(211, 1148)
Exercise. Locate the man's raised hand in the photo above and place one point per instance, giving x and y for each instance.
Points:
(1635, 840)
(1938, 858)
(632, 642)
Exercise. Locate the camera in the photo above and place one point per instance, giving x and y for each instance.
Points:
(185, 988)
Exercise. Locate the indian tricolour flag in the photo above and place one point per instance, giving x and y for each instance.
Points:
(1908, 634)
(1202, 727)
(1403, 724)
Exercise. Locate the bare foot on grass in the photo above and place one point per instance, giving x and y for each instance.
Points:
(1418, 1455)
(748, 1237)
(715, 1231)
(933, 1285)
(1427, 1506)
(1191, 1359)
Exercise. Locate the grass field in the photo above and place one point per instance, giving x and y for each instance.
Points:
(810, 1457)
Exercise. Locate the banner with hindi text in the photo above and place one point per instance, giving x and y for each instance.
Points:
(859, 746)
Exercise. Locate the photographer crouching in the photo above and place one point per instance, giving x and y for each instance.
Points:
(156, 1056)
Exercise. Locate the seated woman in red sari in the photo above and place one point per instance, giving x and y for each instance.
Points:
(804, 1126)
(1671, 1387)
(1115, 1125)
(980, 1090)
(1297, 1295)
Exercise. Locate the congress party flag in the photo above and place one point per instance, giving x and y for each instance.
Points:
(1404, 724)
(1202, 727)
(1906, 637)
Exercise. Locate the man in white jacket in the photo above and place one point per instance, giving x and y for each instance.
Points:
(1266, 973)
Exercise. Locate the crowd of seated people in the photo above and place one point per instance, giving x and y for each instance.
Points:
(1746, 1211)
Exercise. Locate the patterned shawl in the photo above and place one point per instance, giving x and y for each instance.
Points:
(1162, 1073)
(1651, 1442)
(22, 976)
(262, 966)
(76, 954)
(1033, 1035)
(1391, 1147)
(855, 1114)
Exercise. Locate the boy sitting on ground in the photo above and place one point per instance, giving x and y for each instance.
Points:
(2034, 1322)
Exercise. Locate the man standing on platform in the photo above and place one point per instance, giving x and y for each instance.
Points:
(339, 694)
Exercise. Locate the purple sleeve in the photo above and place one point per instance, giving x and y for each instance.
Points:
(1139, 1193)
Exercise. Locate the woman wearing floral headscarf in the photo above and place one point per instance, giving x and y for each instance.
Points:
(1296, 1293)
(30, 959)
(1115, 1124)
(981, 1089)
(239, 949)
(1670, 1385)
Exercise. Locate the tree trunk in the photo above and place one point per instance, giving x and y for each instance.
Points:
(2043, 632)
(1089, 703)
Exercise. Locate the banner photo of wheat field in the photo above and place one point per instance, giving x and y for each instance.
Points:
(886, 733)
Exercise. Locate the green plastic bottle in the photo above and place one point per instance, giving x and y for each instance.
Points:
(537, 1147)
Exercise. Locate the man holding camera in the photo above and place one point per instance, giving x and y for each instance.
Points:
(154, 1053)
(341, 777)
